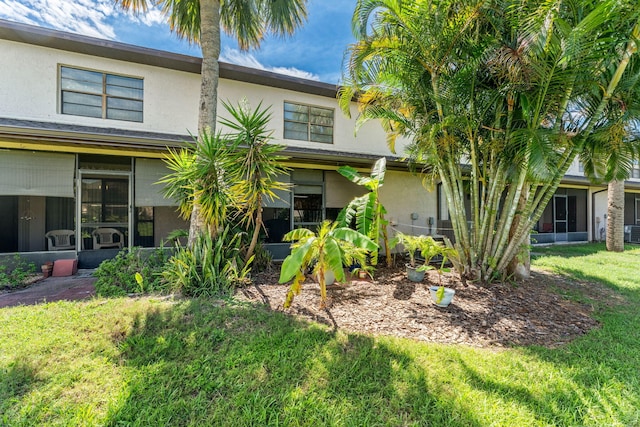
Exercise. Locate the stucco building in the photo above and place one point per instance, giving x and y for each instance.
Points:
(85, 123)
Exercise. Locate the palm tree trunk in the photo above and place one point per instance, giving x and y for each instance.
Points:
(520, 266)
(210, 73)
(615, 216)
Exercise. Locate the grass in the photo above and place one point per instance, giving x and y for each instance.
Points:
(143, 362)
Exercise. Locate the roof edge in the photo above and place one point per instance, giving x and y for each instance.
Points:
(55, 39)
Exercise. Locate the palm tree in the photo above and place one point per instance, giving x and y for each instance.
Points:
(490, 94)
(615, 216)
(613, 147)
(200, 21)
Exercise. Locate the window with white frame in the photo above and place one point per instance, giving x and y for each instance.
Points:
(102, 95)
(635, 172)
(308, 123)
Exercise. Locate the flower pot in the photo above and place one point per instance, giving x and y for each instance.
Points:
(46, 269)
(329, 277)
(414, 274)
(446, 300)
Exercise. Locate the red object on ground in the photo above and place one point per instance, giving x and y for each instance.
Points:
(65, 267)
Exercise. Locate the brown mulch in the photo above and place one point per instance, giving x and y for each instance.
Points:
(532, 312)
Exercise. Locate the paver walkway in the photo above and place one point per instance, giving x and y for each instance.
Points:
(72, 288)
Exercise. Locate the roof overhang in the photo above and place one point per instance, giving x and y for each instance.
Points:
(62, 137)
(48, 136)
(70, 42)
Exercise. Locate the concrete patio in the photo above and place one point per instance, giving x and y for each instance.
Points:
(70, 288)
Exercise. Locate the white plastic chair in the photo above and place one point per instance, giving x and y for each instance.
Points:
(104, 238)
(60, 240)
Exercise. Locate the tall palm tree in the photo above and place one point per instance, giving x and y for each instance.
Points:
(201, 21)
(489, 92)
(615, 216)
(614, 147)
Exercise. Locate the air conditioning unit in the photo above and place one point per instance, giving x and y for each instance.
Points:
(632, 233)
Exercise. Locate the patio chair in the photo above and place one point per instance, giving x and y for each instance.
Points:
(104, 238)
(60, 240)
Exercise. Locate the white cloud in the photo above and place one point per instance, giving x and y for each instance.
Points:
(100, 18)
(16, 11)
(237, 57)
(151, 17)
(92, 18)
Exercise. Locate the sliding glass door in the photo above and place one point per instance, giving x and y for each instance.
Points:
(104, 204)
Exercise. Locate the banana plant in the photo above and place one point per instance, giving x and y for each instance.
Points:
(367, 210)
(328, 249)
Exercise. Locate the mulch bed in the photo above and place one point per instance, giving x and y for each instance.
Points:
(532, 312)
(27, 282)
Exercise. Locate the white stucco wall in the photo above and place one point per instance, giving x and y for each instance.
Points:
(404, 194)
(574, 169)
(599, 211)
(370, 139)
(29, 91)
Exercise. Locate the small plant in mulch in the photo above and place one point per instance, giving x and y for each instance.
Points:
(17, 273)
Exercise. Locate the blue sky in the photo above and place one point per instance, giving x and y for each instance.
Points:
(314, 52)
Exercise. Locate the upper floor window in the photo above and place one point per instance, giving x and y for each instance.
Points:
(635, 172)
(96, 94)
(308, 123)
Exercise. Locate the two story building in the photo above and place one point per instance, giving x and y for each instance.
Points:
(85, 124)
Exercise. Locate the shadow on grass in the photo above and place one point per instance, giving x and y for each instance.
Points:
(599, 382)
(196, 364)
(17, 380)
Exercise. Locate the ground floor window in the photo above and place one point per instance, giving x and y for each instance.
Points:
(45, 196)
(565, 213)
(314, 196)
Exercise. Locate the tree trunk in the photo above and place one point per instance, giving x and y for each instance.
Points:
(209, 75)
(615, 216)
(256, 234)
(520, 266)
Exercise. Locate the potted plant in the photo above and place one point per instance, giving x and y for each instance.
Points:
(441, 295)
(426, 246)
(47, 269)
(325, 252)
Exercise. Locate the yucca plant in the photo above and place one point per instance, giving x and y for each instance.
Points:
(329, 248)
(256, 164)
(212, 266)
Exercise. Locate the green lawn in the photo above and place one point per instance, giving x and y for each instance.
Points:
(152, 362)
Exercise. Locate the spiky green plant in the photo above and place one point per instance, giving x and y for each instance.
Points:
(256, 166)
